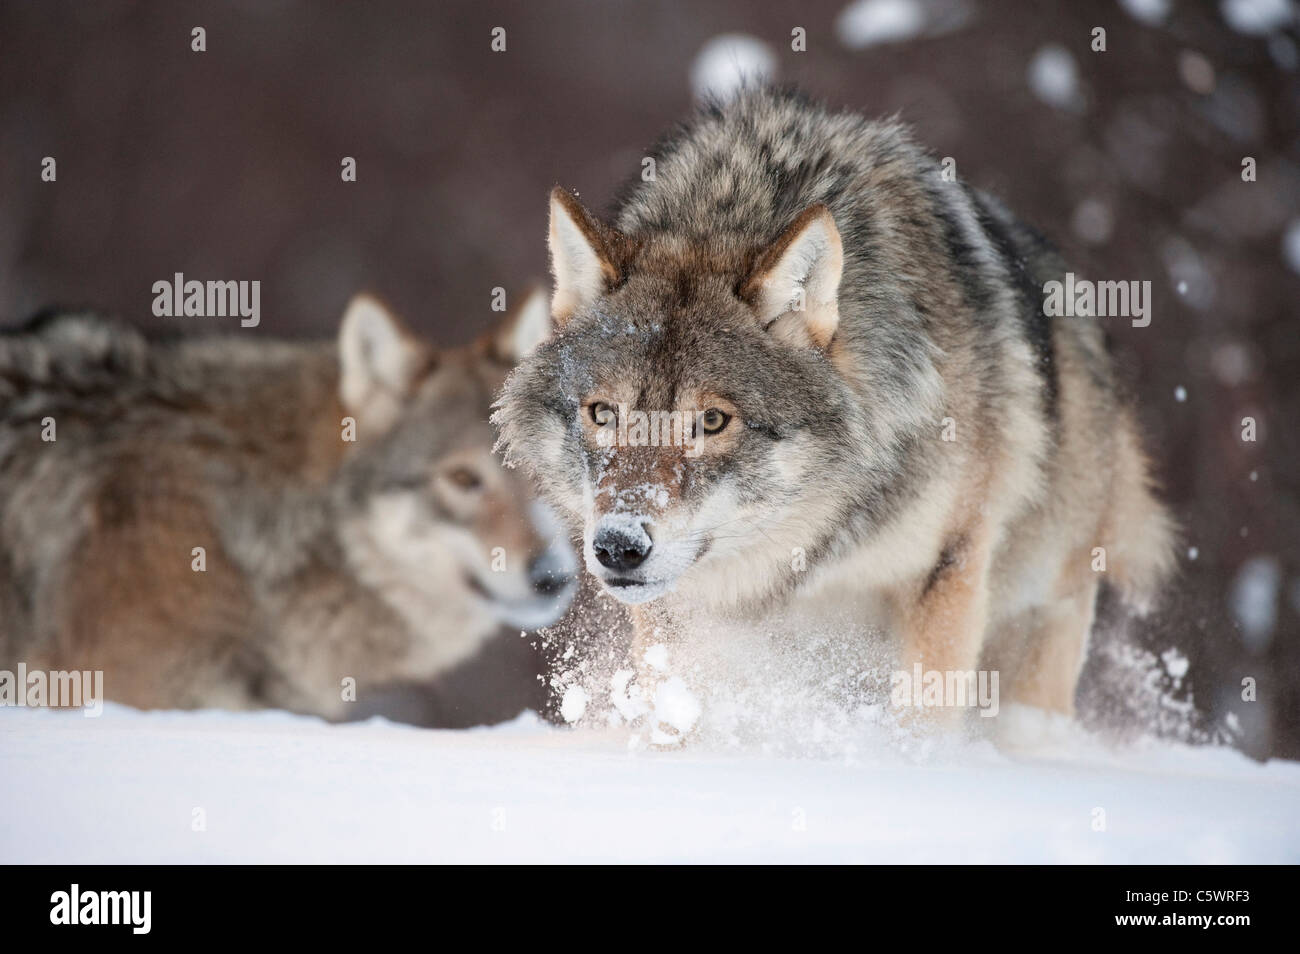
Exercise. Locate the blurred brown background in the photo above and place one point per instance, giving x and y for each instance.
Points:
(225, 164)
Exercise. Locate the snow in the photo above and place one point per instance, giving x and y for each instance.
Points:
(656, 657)
(1093, 222)
(1054, 78)
(1233, 363)
(867, 23)
(1188, 272)
(1283, 51)
(1257, 17)
(1150, 12)
(1176, 664)
(676, 705)
(1254, 599)
(627, 699)
(1291, 246)
(574, 704)
(727, 62)
(1196, 71)
(266, 787)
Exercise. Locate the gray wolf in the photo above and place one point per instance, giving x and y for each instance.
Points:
(888, 426)
(222, 521)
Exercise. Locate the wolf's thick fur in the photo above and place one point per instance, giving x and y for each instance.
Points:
(910, 440)
(325, 558)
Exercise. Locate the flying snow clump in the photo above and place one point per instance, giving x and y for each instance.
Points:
(1054, 78)
(728, 62)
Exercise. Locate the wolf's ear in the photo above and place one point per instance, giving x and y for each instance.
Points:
(794, 286)
(583, 259)
(380, 363)
(525, 327)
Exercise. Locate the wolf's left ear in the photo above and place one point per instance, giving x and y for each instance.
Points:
(794, 286)
(525, 327)
(380, 363)
(584, 256)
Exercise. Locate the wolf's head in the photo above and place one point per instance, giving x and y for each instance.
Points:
(687, 410)
(434, 522)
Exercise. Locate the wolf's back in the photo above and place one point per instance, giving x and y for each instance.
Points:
(70, 353)
(745, 169)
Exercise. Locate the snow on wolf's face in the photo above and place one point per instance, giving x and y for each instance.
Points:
(679, 435)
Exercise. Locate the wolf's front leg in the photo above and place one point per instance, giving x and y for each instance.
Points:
(942, 625)
(1057, 646)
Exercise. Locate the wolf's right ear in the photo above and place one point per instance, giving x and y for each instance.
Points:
(525, 327)
(584, 257)
(380, 363)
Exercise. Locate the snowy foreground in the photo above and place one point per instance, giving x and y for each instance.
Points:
(134, 787)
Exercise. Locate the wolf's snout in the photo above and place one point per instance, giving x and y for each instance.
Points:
(550, 572)
(622, 545)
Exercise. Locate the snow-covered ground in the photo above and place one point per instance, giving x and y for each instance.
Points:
(219, 787)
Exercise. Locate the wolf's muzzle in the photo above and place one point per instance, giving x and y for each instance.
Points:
(621, 546)
(550, 572)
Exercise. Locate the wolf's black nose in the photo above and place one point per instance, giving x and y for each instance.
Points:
(620, 548)
(549, 573)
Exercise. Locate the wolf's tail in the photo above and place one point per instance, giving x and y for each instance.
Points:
(1144, 536)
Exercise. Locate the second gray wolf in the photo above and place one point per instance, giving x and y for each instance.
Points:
(239, 522)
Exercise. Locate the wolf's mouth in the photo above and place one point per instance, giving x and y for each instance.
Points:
(627, 585)
(475, 587)
(622, 581)
(629, 590)
(530, 612)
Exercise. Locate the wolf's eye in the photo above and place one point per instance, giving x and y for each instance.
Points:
(464, 478)
(714, 420)
(602, 414)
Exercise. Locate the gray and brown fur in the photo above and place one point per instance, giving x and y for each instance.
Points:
(922, 303)
(325, 558)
